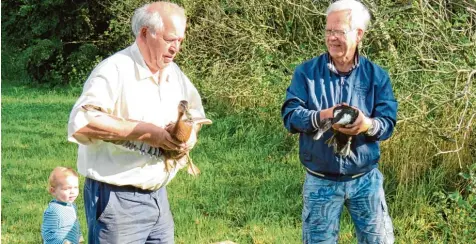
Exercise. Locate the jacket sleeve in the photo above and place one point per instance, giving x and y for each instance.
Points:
(385, 111)
(295, 113)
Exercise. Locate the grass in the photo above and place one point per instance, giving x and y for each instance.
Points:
(232, 195)
(33, 143)
(249, 191)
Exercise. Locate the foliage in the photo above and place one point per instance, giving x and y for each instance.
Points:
(457, 211)
(62, 40)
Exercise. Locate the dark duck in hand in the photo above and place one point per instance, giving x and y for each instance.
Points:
(342, 115)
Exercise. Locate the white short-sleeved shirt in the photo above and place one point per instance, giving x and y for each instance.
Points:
(122, 85)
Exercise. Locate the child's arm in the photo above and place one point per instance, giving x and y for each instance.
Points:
(49, 227)
(81, 238)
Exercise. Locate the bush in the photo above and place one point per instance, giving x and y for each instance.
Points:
(62, 40)
(457, 211)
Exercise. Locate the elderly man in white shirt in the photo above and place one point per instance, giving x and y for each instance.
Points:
(137, 91)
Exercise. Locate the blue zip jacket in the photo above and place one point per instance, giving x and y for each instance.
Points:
(314, 87)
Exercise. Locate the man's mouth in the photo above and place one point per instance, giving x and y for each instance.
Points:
(168, 59)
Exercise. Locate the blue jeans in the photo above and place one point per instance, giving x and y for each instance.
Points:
(125, 214)
(364, 198)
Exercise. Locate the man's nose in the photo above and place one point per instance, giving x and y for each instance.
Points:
(175, 44)
(175, 47)
(332, 37)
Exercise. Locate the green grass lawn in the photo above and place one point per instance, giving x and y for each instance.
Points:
(249, 190)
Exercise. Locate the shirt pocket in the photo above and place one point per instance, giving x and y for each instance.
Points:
(361, 91)
(362, 98)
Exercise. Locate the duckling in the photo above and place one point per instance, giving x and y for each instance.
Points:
(180, 130)
(342, 115)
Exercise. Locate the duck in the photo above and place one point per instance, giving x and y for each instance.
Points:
(180, 130)
(340, 142)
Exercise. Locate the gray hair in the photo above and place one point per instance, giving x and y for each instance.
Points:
(144, 17)
(359, 14)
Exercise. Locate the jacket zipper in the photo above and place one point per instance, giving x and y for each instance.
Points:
(341, 88)
(341, 92)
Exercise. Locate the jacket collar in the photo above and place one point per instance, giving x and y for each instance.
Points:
(333, 69)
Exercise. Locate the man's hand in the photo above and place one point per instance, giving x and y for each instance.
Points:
(193, 135)
(327, 113)
(159, 137)
(361, 124)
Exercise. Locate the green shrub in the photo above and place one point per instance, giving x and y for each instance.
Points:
(62, 40)
(456, 218)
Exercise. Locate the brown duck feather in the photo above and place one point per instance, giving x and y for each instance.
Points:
(181, 131)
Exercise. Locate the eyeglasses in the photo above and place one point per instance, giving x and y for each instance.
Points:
(337, 33)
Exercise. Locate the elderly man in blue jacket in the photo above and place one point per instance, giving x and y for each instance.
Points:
(342, 76)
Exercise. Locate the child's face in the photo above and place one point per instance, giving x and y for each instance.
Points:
(67, 189)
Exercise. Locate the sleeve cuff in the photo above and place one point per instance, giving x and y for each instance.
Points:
(79, 119)
(315, 120)
(374, 128)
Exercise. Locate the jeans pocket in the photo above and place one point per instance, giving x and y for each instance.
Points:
(305, 221)
(389, 237)
(305, 210)
(104, 203)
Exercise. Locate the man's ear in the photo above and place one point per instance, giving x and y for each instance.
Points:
(360, 35)
(143, 32)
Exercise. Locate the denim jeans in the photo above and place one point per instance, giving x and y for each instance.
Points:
(125, 214)
(364, 198)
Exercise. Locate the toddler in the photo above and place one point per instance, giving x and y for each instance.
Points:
(60, 220)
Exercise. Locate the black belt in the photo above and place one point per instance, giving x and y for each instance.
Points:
(336, 177)
(123, 188)
(127, 188)
(130, 188)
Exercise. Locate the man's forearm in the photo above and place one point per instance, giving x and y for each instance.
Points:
(106, 127)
